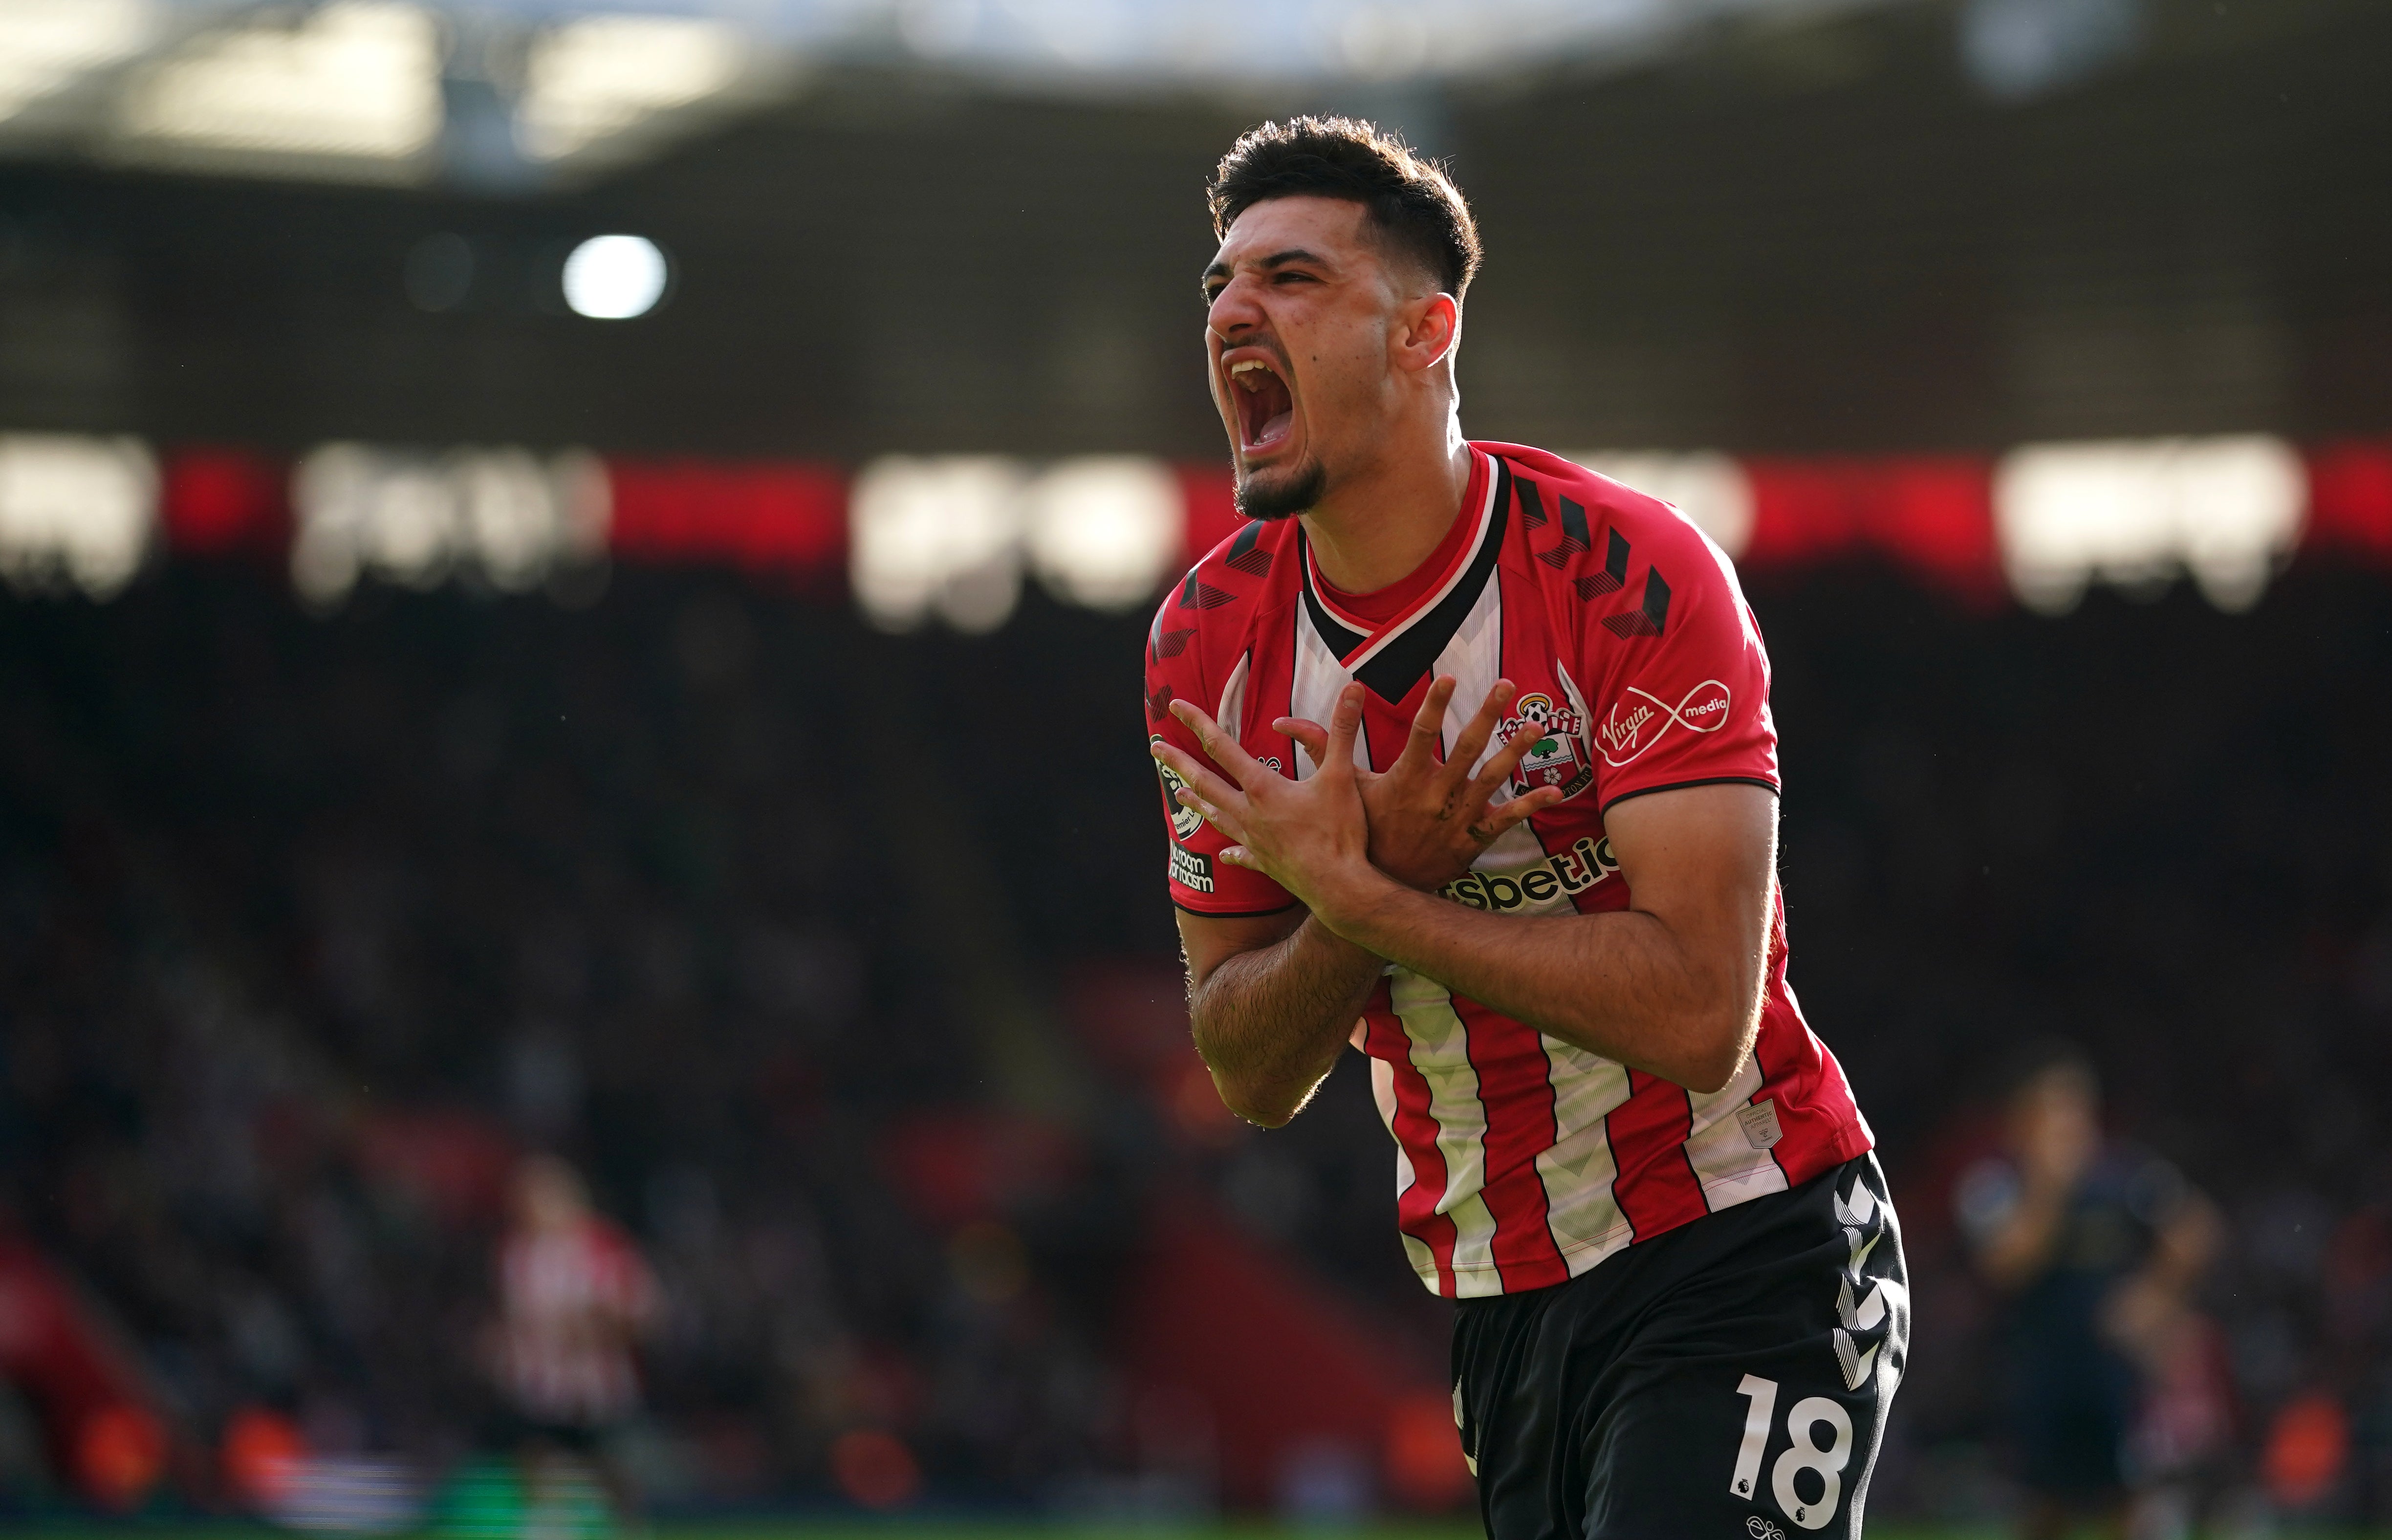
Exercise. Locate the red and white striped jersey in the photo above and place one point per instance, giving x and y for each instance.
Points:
(571, 1302)
(1522, 1160)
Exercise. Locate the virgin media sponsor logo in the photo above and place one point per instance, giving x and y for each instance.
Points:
(1706, 709)
(1640, 718)
(1622, 732)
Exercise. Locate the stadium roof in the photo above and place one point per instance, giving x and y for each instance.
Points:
(515, 94)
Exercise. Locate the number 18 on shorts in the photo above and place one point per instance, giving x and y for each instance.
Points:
(1729, 1379)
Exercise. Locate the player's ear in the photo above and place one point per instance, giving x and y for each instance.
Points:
(1432, 326)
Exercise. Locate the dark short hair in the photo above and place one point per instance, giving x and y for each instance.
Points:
(1412, 204)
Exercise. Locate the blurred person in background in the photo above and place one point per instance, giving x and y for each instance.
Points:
(575, 1296)
(2096, 1248)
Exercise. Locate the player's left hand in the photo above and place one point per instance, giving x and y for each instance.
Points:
(1309, 836)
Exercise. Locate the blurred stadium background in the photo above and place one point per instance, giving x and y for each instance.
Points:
(575, 579)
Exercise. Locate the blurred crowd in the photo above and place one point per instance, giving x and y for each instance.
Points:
(314, 929)
(804, 950)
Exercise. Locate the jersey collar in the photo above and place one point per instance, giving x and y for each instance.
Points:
(1392, 657)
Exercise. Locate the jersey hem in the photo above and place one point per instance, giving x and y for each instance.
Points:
(1850, 1143)
(1607, 1242)
(1235, 913)
(1770, 786)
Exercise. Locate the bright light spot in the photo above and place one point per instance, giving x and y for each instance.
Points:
(1710, 489)
(47, 45)
(74, 510)
(1101, 531)
(2015, 49)
(937, 536)
(614, 277)
(591, 79)
(2137, 514)
(358, 80)
(414, 518)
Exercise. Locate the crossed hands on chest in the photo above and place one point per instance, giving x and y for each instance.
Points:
(1334, 835)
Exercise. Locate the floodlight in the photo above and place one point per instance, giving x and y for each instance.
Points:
(2138, 513)
(936, 536)
(1100, 530)
(47, 45)
(358, 80)
(413, 517)
(79, 509)
(614, 277)
(595, 77)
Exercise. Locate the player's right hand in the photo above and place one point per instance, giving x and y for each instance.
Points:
(1429, 816)
(1309, 836)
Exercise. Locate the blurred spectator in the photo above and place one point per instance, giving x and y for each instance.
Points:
(2095, 1246)
(574, 1297)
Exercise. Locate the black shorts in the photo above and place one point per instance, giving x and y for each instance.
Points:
(1727, 1378)
(2071, 1410)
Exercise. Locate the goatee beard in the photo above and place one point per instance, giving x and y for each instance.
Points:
(1283, 496)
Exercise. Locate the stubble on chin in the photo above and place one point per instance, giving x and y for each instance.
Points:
(1282, 495)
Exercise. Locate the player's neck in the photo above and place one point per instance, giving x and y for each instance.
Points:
(1377, 526)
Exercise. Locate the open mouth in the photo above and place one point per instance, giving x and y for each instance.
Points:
(1265, 406)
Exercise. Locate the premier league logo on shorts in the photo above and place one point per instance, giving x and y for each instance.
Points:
(1558, 757)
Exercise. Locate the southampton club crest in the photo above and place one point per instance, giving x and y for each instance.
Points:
(1558, 757)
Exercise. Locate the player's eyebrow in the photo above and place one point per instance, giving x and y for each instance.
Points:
(1277, 259)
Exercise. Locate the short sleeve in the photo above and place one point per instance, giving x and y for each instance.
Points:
(1680, 696)
(1201, 881)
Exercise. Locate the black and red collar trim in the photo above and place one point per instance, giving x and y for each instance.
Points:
(1393, 658)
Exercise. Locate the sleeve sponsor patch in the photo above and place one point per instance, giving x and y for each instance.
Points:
(1191, 869)
(1639, 719)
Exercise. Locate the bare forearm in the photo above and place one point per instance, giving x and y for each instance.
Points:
(1271, 1022)
(1617, 984)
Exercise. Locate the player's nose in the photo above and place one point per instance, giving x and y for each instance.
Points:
(1234, 310)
